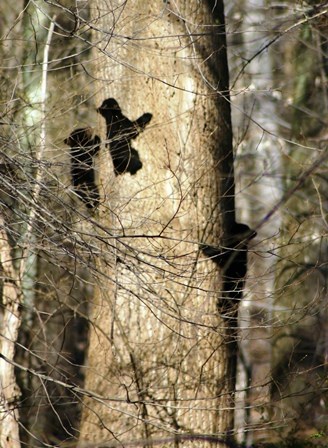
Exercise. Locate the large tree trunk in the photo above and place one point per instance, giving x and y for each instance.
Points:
(158, 355)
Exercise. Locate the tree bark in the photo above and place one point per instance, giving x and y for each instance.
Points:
(259, 188)
(158, 345)
(11, 321)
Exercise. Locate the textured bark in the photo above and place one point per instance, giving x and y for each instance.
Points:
(259, 188)
(157, 342)
(11, 320)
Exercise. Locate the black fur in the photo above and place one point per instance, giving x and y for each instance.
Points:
(232, 259)
(83, 148)
(120, 132)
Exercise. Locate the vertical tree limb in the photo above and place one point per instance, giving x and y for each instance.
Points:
(9, 431)
(13, 288)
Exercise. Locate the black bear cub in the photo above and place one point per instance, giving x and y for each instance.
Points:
(232, 259)
(120, 132)
(83, 148)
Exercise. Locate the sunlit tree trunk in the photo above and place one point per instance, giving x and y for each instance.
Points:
(258, 181)
(19, 284)
(158, 360)
(11, 320)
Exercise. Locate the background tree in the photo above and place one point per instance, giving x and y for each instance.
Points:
(278, 318)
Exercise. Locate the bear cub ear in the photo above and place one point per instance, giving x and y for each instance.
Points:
(83, 137)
